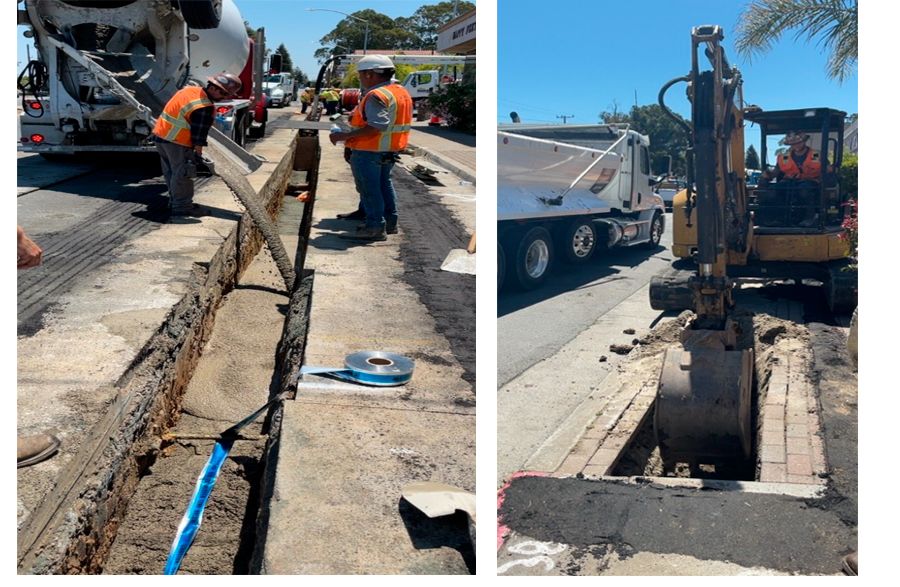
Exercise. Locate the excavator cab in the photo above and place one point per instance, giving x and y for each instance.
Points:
(800, 206)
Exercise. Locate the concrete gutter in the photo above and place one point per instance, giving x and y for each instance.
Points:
(147, 345)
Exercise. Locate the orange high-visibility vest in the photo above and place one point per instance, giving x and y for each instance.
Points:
(173, 124)
(811, 168)
(394, 137)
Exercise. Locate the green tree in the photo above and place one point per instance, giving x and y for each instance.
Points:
(667, 139)
(299, 77)
(614, 116)
(752, 159)
(429, 18)
(404, 33)
(351, 33)
(286, 63)
(832, 22)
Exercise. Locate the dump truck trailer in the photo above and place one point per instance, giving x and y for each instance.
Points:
(565, 192)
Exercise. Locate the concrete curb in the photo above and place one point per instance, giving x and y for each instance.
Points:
(464, 173)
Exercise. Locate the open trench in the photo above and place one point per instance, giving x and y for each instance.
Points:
(245, 363)
(234, 368)
(767, 324)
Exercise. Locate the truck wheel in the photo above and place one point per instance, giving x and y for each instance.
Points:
(501, 266)
(534, 255)
(578, 240)
(201, 14)
(257, 132)
(656, 231)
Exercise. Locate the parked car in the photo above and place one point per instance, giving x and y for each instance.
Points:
(667, 188)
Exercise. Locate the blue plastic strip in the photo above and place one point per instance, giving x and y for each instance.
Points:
(193, 517)
(355, 376)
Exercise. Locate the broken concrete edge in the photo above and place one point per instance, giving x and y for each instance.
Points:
(289, 359)
(455, 168)
(73, 528)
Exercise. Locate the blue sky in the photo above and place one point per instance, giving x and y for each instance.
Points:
(289, 22)
(585, 56)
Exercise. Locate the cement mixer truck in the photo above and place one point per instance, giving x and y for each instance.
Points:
(90, 52)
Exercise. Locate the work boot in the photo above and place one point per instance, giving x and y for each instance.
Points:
(851, 563)
(369, 233)
(389, 227)
(355, 215)
(194, 210)
(35, 448)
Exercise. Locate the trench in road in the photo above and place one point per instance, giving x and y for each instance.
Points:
(229, 536)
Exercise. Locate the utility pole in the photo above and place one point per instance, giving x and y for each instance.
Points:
(565, 117)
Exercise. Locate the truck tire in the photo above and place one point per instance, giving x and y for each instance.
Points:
(501, 266)
(578, 240)
(657, 226)
(534, 257)
(257, 132)
(201, 14)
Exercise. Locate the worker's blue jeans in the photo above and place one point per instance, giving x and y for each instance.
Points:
(372, 173)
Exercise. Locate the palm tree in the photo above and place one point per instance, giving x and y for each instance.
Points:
(833, 22)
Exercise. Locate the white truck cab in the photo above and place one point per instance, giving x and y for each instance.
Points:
(279, 87)
(421, 84)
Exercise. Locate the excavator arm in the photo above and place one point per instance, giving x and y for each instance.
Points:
(702, 410)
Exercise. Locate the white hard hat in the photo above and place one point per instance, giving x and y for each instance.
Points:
(374, 62)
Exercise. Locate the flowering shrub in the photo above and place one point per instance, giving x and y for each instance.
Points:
(456, 103)
(851, 228)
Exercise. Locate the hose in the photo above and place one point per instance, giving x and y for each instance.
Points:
(689, 152)
(36, 72)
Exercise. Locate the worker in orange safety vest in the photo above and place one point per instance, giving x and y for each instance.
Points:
(799, 162)
(380, 124)
(180, 134)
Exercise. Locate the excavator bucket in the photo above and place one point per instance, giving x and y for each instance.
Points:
(702, 410)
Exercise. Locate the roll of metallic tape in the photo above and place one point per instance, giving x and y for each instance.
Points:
(377, 368)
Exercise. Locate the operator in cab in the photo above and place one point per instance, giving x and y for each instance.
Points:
(800, 173)
(800, 162)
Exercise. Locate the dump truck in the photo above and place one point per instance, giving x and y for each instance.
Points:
(89, 50)
(567, 191)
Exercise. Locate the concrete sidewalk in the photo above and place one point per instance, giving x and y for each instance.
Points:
(346, 451)
(449, 148)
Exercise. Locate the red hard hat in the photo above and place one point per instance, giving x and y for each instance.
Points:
(227, 82)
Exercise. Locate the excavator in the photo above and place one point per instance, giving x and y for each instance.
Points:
(723, 231)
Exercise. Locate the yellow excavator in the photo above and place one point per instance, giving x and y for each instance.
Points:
(721, 231)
